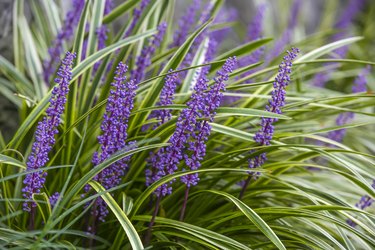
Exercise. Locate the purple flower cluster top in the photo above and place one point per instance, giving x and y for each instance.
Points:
(172, 80)
(201, 105)
(136, 15)
(347, 16)
(211, 101)
(102, 31)
(225, 15)
(344, 118)
(254, 33)
(114, 134)
(287, 34)
(365, 202)
(265, 134)
(343, 23)
(255, 28)
(53, 199)
(186, 22)
(144, 59)
(66, 32)
(45, 133)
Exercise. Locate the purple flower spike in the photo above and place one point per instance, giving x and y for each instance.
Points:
(365, 202)
(108, 7)
(256, 26)
(66, 32)
(225, 15)
(201, 104)
(265, 134)
(293, 17)
(166, 98)
(343, 23)
(53, 199)
(321, 78)
(45, 133)
(144, 59)
(349, 13)
(136, 15)
(360, 82)
(211, 101)
(184, 128)
(286, 36)
(114, 135)
(102, 31)
(185, 23)
(344, 118)
(254, 33)
(166, 160)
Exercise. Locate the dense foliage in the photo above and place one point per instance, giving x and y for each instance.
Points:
(139, 131)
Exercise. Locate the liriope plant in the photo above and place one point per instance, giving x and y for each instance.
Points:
(150, 124)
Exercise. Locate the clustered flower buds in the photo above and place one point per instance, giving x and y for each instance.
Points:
(185, 24)
(365, 202)
(144, 59)
(102, 31)
(265, 134)
(343, 23)
(358, 86)
(188, 126)
(286, 36)
(211, 101)
(114, 134)
(136, 15)
(45, 133)
(166, 98)
(254, 33)
(65, 34)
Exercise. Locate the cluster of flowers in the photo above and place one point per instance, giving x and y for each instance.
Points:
(188, 142)
(344, 21)
(114, 135)
(45, 133)
(344, 118)
(286, 36)
(265, 134)
(254, 33)
(136, 15)
(120, 103)
(144, 59)
(102, 31)
(365, 202)
(190, 133)
(65, 34)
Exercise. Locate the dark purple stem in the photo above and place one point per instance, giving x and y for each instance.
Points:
(184, 204)
(32, 218)
(244, 187)
(152, 222)
(93, 228)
